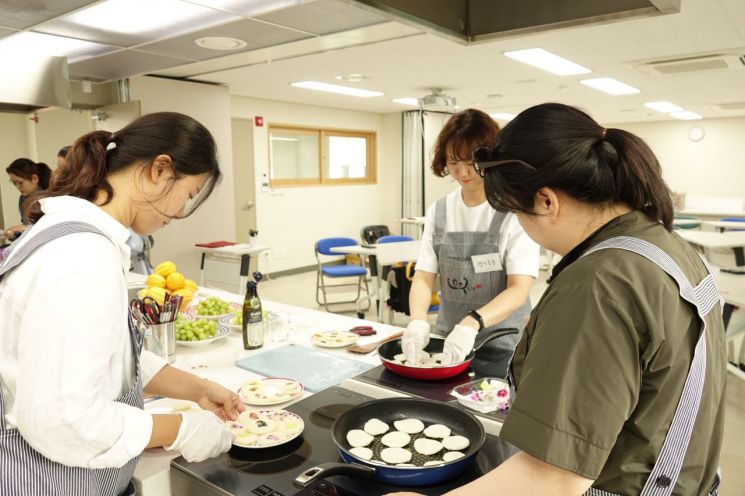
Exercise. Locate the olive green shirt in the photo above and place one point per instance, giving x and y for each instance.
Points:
(602, 363)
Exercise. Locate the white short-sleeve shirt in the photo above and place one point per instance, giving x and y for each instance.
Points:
(519, 254)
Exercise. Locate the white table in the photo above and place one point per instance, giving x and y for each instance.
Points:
(709, 239)
(724, 225)
(217, 362)
(240, 251)
(680, 222)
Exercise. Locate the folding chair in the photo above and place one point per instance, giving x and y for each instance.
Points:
(338, 271)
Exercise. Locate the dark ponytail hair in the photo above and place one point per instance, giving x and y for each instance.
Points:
(462, 133)
(573, 153)
(96, 155)
(25, 168)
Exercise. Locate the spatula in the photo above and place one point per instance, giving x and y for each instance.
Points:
(367, 348)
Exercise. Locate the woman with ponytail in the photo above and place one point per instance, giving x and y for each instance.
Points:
(618, 380)
(71, 370)
(29, 177)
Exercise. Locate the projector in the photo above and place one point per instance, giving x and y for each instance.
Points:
(437, 101)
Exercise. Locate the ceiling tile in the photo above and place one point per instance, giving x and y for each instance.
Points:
(24, 13)
(248, 8)
(125, 63)
(256, 34)
(199, 18)
(323, 17)
(5, 32)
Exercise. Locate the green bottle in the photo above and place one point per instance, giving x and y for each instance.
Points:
(253, 319)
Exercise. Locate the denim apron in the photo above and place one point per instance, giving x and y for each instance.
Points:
(704, 297)
(463, 289)
(24, 470)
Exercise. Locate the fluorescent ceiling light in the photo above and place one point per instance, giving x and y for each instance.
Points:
(687, 115)
(142, 16)
(281, 138)
(28, 44)
(610, 86)
(247, 7)
(543, 59)
(407, 101)
(334, 88)
(502, 116)
(662, 106)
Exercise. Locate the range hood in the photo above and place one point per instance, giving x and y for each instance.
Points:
(469, 21)
(33, 83)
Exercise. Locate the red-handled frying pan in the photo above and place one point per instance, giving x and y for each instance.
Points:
(389, 350)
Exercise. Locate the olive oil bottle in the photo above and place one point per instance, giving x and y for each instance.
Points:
(253, 318)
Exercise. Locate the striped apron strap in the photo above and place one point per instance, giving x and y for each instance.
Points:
(704, 297)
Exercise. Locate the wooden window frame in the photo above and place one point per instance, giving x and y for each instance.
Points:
(322, 133)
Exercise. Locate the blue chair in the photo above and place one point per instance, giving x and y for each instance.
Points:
(337, 271)
(394, 238)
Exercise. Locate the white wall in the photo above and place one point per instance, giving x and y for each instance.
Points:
(15, 145)
(215, 219)
(714, 166)
(291, 220)
(58, 128)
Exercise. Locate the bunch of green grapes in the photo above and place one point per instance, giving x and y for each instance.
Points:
(237, 319)
(195, 330)
(212, 305)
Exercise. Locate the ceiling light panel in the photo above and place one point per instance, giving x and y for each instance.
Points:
(28, 44)
(687, 115)
(407, 101)
(130, 22)
(248, 8)
(502, 116)
(543, 59)
(664, 107)
(610, 86)
(334, 88)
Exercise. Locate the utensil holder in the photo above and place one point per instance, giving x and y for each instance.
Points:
(160, 339)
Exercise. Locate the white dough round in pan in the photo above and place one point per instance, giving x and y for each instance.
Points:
(362, 452)
(395, 439)
(455, 443)
(409, 426)
(357, 438)
(376, 427)
(427, 446)
(452, 455)
(437, 431)
(432, 463)
(395, 455)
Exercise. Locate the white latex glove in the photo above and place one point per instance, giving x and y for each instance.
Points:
(202, 435)
(458, 344)
(414, 340)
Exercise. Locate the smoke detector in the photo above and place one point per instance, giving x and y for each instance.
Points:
(437, 101)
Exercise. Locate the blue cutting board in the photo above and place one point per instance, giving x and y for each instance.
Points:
(315, 369)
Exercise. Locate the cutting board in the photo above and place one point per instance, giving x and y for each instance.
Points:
(316, 369)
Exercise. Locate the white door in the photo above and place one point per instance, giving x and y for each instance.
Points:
(244, 180)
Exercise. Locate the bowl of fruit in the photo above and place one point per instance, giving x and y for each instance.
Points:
(212, 308)
(198, 332)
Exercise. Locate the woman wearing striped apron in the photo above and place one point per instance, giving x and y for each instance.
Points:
(619, 378)
(484, 260)
(72, 372)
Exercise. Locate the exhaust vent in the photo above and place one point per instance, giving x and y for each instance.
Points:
(730, 106)
(712, 62)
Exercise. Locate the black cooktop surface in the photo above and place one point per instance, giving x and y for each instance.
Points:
(270, 472)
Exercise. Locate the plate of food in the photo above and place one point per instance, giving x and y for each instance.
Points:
(484, 395)
(269, 391)
(213, 308)
(265, 428)
(334, 339)
(198, 332)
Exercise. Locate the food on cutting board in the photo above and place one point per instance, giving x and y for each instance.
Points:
(212, 306)
(413, 443)
(195, 330)
(265, 428)
(167, 280)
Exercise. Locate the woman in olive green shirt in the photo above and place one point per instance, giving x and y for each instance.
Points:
(600, 371)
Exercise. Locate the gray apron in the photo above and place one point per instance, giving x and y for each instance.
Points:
(704, 297)
(463, 289)
(24, 470)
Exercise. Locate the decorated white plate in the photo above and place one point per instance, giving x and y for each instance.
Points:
(191, 311)
(334, 339)
(221, 332)
(269, 391)
(265, 428)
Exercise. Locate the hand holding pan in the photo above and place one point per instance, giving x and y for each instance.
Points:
(389, 350)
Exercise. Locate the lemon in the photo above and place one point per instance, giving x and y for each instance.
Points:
(184, 293)
(190, 284)
(165, 269)
(156, 280)
(158, 294)
(143, 293)
(175, 280)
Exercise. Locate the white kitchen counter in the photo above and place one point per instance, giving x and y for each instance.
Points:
(217, 362)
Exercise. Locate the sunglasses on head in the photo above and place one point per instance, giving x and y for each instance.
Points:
(482, 159)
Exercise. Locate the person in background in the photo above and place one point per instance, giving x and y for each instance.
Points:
(62, 155)
(29, 177)
(485, 261)
(71, 372)
(619, 378)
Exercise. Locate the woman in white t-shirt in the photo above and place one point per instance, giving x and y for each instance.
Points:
(485, 261)
(71, 372)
